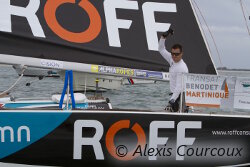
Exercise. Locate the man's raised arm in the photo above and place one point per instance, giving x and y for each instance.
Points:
(161, 48)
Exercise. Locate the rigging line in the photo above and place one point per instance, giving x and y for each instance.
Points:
(244, 5)
(217, 50)
(10, 88)
(243, 11)
(205, 37)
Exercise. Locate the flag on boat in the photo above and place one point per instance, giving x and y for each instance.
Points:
(208, 90)
(242, 93)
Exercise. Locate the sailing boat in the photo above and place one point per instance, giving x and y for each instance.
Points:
(88, 81)
(106, 83)
(117, 38)
(35, 72)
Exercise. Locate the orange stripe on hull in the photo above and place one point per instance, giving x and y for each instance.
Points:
(203, 105)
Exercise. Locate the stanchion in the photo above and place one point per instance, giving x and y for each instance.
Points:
(68, 85)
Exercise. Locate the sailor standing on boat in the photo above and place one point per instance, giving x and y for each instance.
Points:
(177, 67)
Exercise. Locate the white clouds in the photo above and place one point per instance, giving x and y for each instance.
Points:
(228, 27)
(233, 30)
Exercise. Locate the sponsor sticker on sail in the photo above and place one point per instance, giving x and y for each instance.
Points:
(94, 68)
(242, 93)
(116, 70)
(51, 64)
(205, 90)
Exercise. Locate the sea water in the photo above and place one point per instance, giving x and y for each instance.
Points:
(140, 97)
(143, 96)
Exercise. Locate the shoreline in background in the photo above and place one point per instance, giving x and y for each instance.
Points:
(3, 65)
(139, 97)
(219, 68)
(231, 69)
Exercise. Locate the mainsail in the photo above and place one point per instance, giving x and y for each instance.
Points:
(70, 34)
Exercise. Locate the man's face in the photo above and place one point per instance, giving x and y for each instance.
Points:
(176, 55)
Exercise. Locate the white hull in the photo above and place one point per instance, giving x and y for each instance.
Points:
(104, 82)
(81, 102)
(35, 72)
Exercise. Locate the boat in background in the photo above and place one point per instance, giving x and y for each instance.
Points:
(81, 102)
(81, 79)
(104, 82)
(91, 82)
(36, 72)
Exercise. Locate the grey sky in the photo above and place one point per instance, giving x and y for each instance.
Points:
(228, 27)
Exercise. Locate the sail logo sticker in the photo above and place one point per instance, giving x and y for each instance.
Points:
(96, 16)
(140, 73)
(52, 64)
(94, 68)
(116, 70)
(82, 37)
(151, 74)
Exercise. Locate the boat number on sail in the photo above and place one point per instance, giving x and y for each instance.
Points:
(110, 7)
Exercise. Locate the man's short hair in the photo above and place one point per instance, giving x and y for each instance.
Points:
(177, 46)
